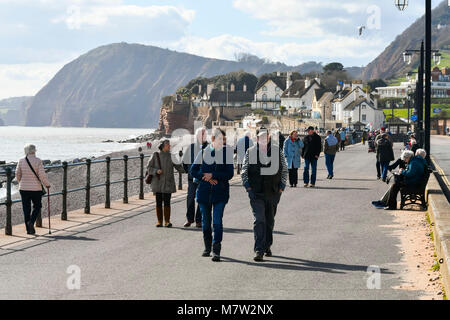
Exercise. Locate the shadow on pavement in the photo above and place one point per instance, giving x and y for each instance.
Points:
(233, 230)
(338, 188)
(303, 265)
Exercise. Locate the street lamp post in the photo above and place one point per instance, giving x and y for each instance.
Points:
(402, 5)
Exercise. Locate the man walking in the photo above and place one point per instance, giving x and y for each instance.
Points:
(242, 146)
(264, 175)
(311, 152)
(188, 159)
(343, 134)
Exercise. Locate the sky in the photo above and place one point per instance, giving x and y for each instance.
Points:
(38, 37)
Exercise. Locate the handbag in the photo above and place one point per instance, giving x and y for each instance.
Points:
(42, 186)
(149, 177)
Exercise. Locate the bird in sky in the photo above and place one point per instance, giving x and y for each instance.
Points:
(361, 28)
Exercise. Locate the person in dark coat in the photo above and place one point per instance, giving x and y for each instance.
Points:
(188, 159)
(241, 148)
(213, 168)
(264, 175)
(412, 176)
(385, 154)
(311, 152)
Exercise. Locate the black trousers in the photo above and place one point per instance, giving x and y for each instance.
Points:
(192, 214)
(29, 197)
(342, 144)
(163, 197)
(293, 176)
(378, 165)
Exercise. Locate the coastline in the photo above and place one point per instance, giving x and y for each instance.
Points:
(76, 177)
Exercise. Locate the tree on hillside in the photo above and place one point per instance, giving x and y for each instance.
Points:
(376, 83)
(334, 66)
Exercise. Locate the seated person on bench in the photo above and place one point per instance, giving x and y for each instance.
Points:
(411, 177)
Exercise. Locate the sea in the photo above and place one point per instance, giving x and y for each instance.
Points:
(64, 144)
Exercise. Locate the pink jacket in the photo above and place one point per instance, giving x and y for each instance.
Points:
(27, 179)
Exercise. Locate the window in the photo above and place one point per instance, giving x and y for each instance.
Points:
(264, 88)
(277, 97)
(363, 117)
(277, 89)
(363, 106)
(264, 97)
(264, 105)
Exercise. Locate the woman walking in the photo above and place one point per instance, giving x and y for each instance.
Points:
(32, 178)
(330, 149)
(292, 152)
(213, 168)
(385, 154)
(161, 166)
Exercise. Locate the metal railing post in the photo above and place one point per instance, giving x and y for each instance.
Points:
(108, 183)
(64, 192)
(87, 208)
(180, 180)
(125, 179)
(141, 178)
(8, 228)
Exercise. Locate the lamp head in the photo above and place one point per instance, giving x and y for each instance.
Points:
(401, 4)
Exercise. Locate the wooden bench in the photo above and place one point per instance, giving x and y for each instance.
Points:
(415, 195)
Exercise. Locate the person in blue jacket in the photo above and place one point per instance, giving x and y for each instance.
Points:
(292, 152)
(213, 168)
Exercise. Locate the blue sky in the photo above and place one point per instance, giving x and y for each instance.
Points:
(39, 36)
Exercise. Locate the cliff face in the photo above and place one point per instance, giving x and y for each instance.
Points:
(121, 85)
(390, 62)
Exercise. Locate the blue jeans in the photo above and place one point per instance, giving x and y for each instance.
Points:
(313, 164)
(384, 168)
(212, 213)
(329, 160)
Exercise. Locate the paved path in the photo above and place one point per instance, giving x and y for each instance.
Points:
(440, 151)
(324, 241)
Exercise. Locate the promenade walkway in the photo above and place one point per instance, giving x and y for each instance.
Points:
(325, 239)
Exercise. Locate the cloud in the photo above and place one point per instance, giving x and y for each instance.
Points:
(78, 16)
(226, 46)
(26, 79)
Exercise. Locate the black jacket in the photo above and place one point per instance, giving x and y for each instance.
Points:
(313, 146)
(189, 155)
(385, 153)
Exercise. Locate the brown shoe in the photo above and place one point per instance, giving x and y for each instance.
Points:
(167, 217)
(187, 224)
(198, 224)
(159, 216)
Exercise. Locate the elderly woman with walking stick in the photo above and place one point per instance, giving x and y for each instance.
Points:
(32, 178)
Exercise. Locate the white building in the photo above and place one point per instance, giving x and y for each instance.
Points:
(300, 95)
(268, 94)
(351, 104)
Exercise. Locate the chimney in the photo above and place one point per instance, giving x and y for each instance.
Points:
(222, 87)
(307, 82)
(288, 80)
(209, 88)
(278, 74)
(232, 87)
(244, 88)
(317, 80)
(199, 89)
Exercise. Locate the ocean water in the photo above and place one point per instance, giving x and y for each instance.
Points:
(64, 143)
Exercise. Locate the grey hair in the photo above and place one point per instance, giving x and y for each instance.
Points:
(421, 152)
(407, 154)
(29, 149)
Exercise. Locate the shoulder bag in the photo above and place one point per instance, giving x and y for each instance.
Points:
(42, 186)
(149, 177)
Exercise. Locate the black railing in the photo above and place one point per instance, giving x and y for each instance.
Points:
(87, 188)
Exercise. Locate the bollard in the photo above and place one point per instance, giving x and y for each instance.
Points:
(87, 208)
(108, 183)
(8, 228)
(141, 178)
(180, 180)
(125, 179)
(64, 192)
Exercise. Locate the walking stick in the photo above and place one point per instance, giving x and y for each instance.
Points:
(48, 208)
